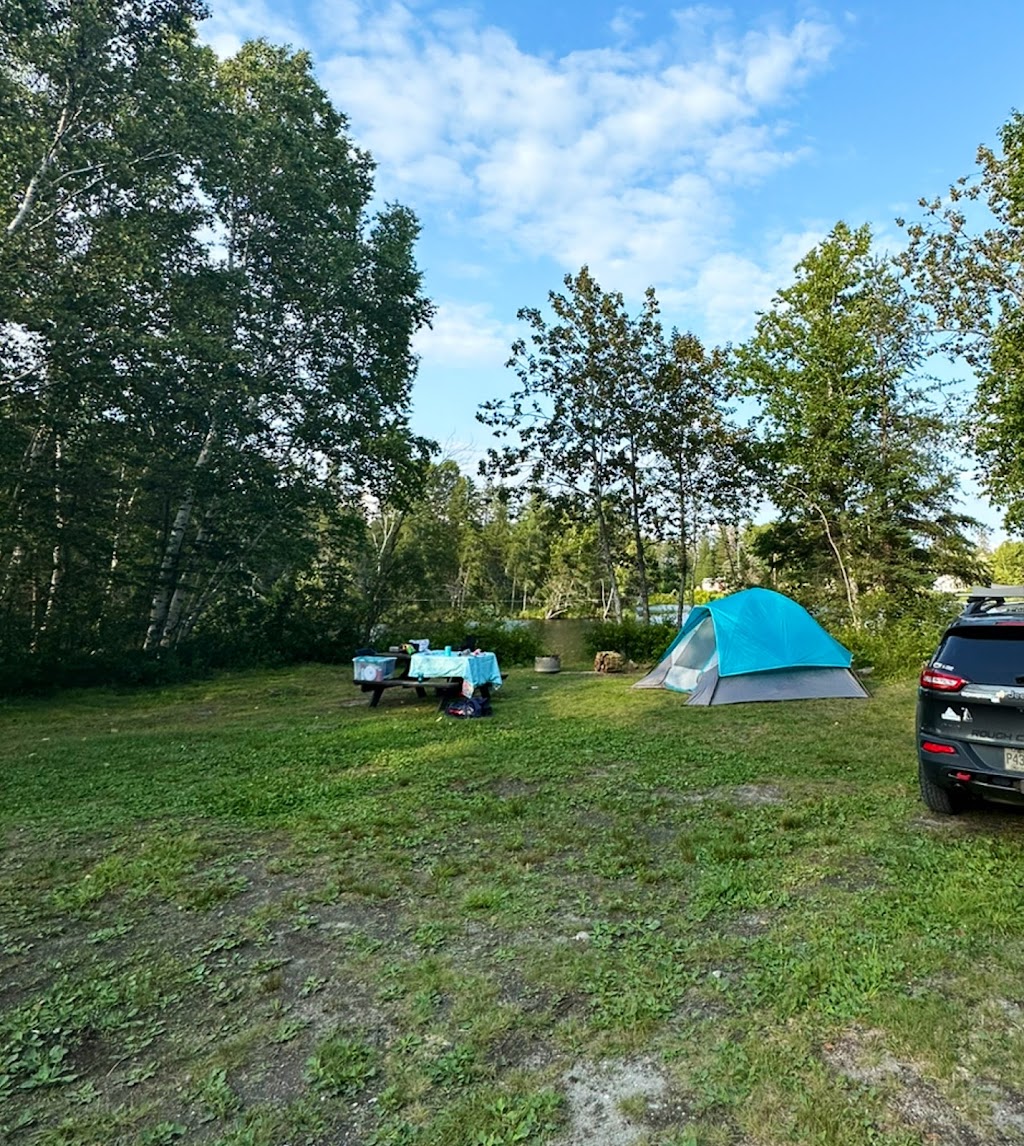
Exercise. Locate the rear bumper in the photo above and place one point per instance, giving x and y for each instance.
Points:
(956, 774)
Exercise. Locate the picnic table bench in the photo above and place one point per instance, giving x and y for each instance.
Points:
(444, 689)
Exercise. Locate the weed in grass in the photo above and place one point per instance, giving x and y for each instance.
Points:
(633, 1106)
(287, 1029)
(163, 1134)
(510, 1121)
(140, 1073)
(424, 1006)
(271, 983)
(311, 985)
(456, 1067)
(484, 898)
(342, 1065)
(104, 934)
(214, 1095)
(430, 936)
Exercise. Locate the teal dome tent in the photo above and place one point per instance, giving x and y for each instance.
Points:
(754, 645)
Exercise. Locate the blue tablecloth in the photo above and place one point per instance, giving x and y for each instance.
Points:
(480, 669)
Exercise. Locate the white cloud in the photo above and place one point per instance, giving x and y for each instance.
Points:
(232, 22)
(777, 61)
(465, 335)
(623, 157)
(730, 288)
(624, 23)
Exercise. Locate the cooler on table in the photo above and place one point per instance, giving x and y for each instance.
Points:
(373, 668)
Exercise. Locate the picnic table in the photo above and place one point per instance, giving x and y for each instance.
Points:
(477, 669)
(448, 674)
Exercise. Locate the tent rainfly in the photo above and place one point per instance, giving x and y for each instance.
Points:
(754, 645)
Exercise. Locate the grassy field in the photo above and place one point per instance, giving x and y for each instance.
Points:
(255, 911)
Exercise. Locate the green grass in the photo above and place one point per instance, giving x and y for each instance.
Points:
(251, 911)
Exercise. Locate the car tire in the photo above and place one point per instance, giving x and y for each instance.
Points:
(940, 800)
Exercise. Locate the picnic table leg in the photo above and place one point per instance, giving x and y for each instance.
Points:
(375, 699)
(421, 692)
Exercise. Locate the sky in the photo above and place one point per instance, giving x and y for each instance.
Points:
(700, 150)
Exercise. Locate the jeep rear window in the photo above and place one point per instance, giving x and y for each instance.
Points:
(985, 655)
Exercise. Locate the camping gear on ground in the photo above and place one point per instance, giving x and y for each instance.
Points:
(754, 645)
(469, 706)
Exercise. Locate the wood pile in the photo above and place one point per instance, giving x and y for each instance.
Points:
(608, 662)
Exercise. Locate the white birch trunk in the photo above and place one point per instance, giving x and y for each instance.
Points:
(57, 558)
(32, 190)
(171, 560)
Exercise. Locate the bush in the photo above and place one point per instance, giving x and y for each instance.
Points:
(634, 640)
(897, 636)
(512, 646)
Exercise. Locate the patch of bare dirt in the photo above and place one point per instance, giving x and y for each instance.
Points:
(512, 789)
(749, 924)
(743, 795)
(616, 1103)
(860, 1056)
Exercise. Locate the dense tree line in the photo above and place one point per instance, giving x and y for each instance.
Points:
(205, 338)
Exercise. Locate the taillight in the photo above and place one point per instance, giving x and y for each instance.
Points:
(942, 749)
(941, 681)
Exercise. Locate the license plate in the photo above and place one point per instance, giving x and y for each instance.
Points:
(1013, 759)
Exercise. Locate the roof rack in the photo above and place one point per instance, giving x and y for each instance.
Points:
(983, 598)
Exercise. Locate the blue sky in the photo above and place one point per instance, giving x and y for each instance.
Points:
(702, 150)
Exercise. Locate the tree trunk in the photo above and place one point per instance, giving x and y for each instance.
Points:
(18, 550)
(120, 515)
(614, 602)
(181, 592)
(32, 190)
(638, 541)
(57, 560)
(681, 603)
(167, 577)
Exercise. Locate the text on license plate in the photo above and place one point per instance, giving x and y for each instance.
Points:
(1013, 760)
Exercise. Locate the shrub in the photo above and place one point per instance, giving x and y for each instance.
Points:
(517, 645)
(897, 635)
(634, 640)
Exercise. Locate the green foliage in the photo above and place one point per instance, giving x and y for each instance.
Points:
(854, 446)
(1008, 563)
(702, 596)
(513, 1120)
(972, 281)
(342, 1065)
(512, 644)
(625, 429)
(207, 342)
(898, 635)
(633, 639)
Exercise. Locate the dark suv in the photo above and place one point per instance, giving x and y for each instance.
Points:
(970, 706)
